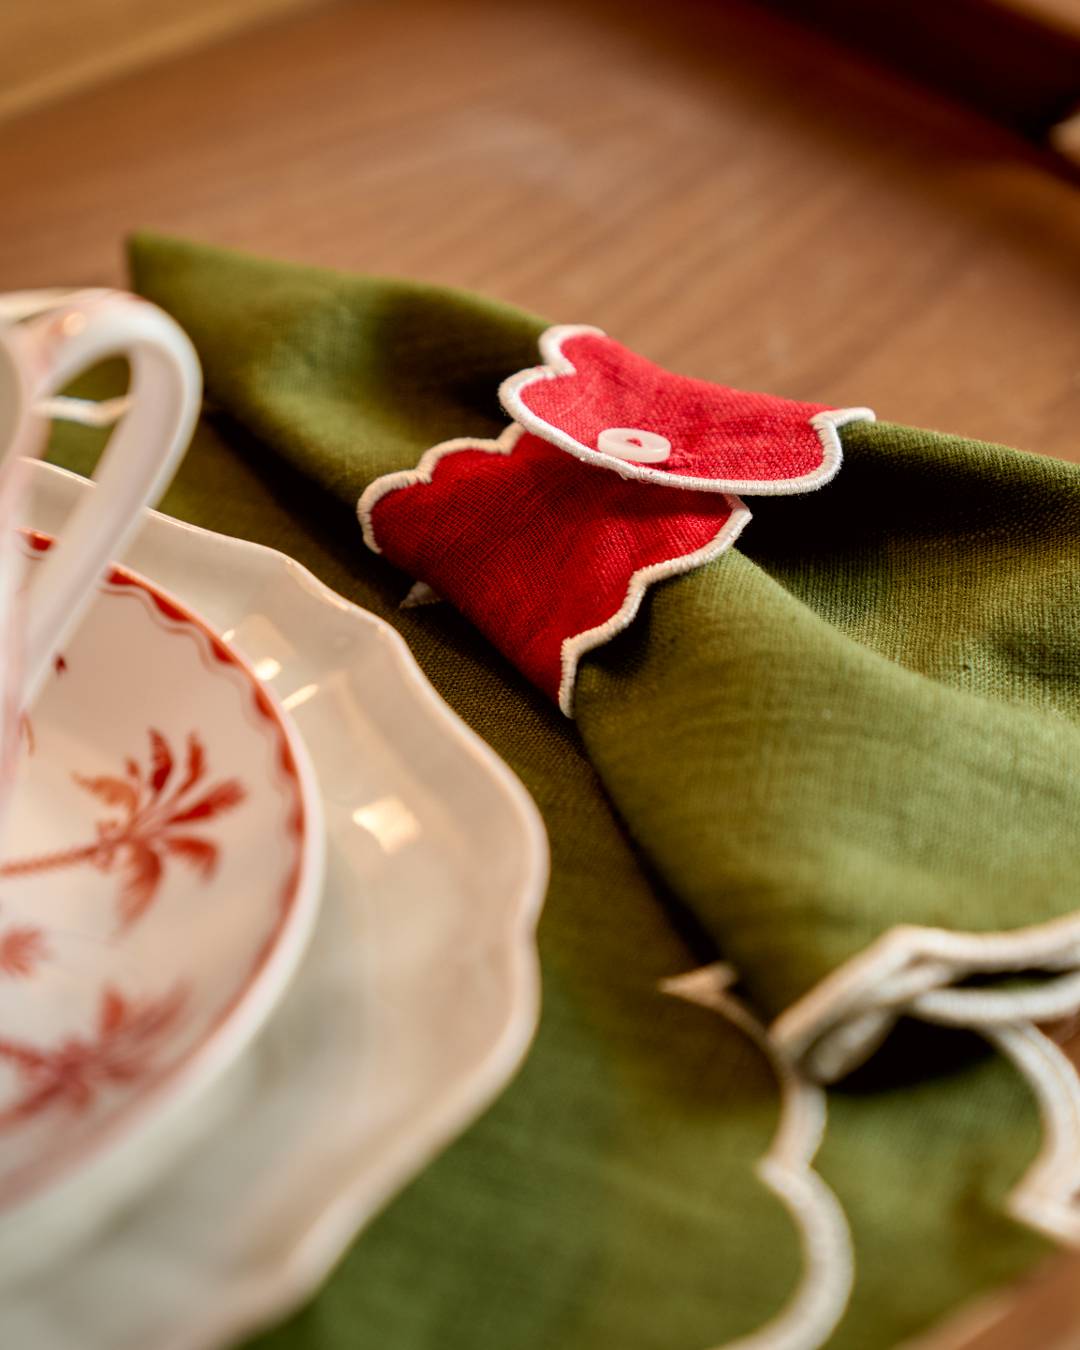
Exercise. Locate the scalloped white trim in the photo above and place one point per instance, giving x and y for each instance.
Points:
(423, 473)
(575, 646)
(1046, 1196)
(556, 366)
(821, 1296)
(910, 970)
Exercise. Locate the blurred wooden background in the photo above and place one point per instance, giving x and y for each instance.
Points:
(49, 50)
(717, 186)
(730, 193)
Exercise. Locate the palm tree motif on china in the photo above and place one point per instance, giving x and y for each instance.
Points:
(123, 1049)
(23, 947)
(150, 822)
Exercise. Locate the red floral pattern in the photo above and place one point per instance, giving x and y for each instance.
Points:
(149, 825)
(22, 948)
(155, 812)
(128, 1036)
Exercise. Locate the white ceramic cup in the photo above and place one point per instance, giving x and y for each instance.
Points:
(46, 339)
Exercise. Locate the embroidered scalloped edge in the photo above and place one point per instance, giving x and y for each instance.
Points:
(912, 971)
(1046, 1195)
(821, 1296)
(1045, 1198)
(575, 646)
(556, 366)
(423, 473)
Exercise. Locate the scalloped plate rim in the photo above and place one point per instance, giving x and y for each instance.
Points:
(280, 1286)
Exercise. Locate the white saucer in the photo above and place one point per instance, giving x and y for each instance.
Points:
(415, 1002)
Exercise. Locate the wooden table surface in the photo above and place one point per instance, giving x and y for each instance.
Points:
(720, 189)
(727, 193)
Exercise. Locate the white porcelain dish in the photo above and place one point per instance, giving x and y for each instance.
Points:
(161, 870)
(414, 1004)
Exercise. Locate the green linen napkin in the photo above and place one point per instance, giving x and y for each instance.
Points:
(869, 715)
(807, 743)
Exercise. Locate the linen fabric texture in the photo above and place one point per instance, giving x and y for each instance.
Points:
(865, 714)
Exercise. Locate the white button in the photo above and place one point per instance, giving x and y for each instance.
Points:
(640, 447)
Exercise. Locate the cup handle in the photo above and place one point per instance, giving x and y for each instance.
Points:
(137, 463)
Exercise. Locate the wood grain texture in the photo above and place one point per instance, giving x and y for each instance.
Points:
(1015, 62)
(725, 192)
(50, 50)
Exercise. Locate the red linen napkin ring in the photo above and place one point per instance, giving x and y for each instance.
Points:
(614, 475)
